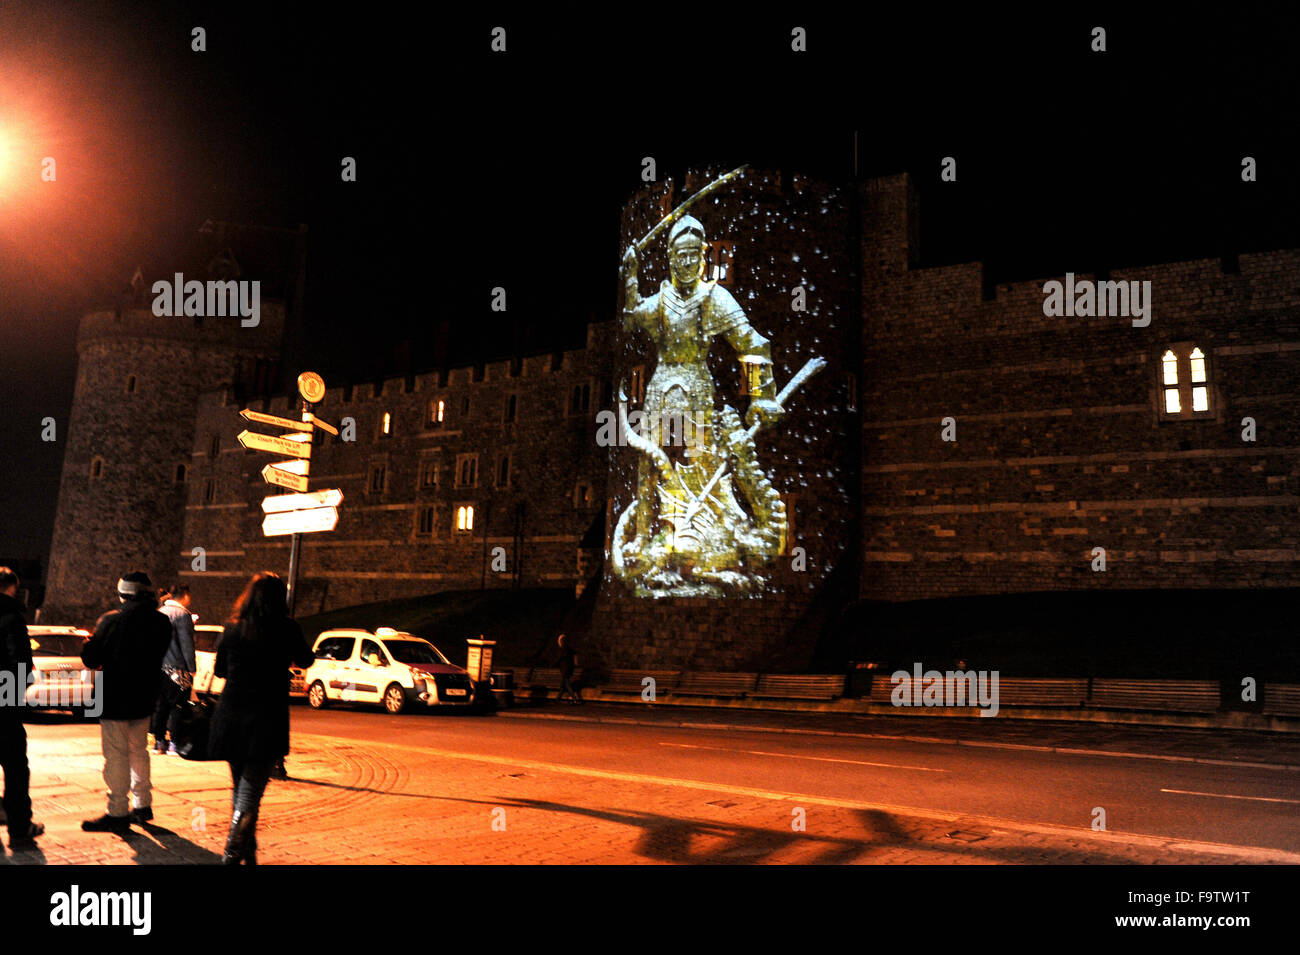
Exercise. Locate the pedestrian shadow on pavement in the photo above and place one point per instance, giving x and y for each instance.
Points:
(156, 846)
(705, 842)
(161, 846)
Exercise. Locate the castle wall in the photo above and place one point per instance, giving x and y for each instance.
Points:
(1061, 445)
(129, 515)
(379, 549)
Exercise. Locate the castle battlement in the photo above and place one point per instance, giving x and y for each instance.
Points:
(215, 331)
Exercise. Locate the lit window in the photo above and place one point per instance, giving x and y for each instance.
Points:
(465, 518)
(386, 425)
(751, 382)
(721, 262)
(1200, 393)
(1186, 389)
(437, 409)
(787, 539)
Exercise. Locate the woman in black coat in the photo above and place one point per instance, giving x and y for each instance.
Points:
(250, 729)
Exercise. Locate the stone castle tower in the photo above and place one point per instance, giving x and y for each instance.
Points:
(122, 497)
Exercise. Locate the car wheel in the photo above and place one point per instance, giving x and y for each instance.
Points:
(394, 698)
(316, 696)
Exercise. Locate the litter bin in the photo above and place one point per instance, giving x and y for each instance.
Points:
(503, 688)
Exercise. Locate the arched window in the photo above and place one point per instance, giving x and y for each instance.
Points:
(96, 468)
(465, 518)
(1184, 382)
(181, 473)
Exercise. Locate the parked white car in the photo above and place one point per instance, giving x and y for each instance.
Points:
(62, 681)
(388, 667)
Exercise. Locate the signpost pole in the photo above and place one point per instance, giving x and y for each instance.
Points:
(295, 543)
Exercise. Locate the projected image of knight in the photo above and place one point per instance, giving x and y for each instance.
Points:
(706, 518)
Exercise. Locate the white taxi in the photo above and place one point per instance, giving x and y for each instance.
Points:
(61, 681)
(388, 667)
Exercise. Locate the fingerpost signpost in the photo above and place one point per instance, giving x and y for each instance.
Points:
(300, 512)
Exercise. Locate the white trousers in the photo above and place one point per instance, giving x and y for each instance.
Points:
(126, 764)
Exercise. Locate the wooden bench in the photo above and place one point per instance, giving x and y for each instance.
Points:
(630, 681)
(1282, 699)
(804, 687)
(734, 685)
(1170, 696)
(1012, 691)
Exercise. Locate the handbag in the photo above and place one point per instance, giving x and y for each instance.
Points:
(192, 729)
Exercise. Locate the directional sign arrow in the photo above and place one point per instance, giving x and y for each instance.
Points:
(272, 419)
(323, 425)
(267, 442)
(297, 502)
(300, 522)
(293, 467)
(294, 482)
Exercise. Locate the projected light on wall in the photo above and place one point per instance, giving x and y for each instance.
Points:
(704, 519)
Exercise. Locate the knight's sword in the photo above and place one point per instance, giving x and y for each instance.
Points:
(807, 371)
(680, 211)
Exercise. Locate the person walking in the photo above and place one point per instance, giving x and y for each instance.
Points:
(568, 663)
(250, 729)
(128, 647)
(15, 665)
(178, 669)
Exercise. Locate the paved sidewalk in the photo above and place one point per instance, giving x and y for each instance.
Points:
(352, 802)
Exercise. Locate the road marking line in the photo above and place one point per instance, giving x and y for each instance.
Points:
(818, 759)
(1255, 853)
(905, 738)
(1189, 792)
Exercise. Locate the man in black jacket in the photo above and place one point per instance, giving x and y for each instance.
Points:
(128, 646)
(15, 667)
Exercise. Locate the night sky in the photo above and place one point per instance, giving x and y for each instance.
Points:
(478, 169)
